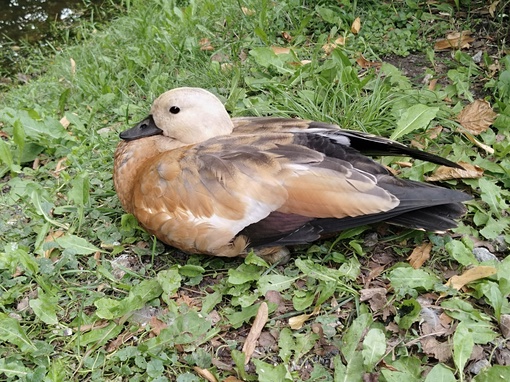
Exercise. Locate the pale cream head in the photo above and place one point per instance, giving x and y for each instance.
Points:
(191, 115)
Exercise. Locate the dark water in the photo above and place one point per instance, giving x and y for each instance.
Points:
(30, 20)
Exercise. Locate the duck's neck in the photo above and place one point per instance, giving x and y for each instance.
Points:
(130, 156)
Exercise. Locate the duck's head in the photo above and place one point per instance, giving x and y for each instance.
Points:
(188, 115)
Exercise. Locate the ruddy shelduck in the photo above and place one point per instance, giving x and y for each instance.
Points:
(205, 183)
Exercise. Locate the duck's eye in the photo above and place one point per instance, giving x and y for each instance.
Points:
(174, 110)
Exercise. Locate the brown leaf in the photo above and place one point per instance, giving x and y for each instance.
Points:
(365, 64)
(52, 236)
(280, 50)
(477, 116)
(432, 84)
(205, 44)
(248, 11)
(419, 255)
(232, 379)
(206, 374)
(287, 37)
(492, 7)
(356, 26)
(504, 325)
(473, 274)
(457, 40)
(297, 322)
(73, 66)
(445, 173)
(376, 297)
(330, 46)
(258, 324)
(157, 325)
(442, 351)
(65, 122)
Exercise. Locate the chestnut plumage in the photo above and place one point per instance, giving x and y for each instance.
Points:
(205, 183)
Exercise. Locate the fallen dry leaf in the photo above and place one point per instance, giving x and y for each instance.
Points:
(504, 325)
(356, 25)
(477, 116)
(469, 171)
(375, 296)
(206, 374)
(73, 66)
(248, 11)
(473, 274)
(287, 37)
(232, 379)
(419, 255)
(475, 141)
(52, 236)
(258, 324)
(365, 64)
(330, 46)
(457, 40)
(157, 325)
(280, 50)
(65, 122)
(404, 164)
(442, 351)
(432, 84)
(297, 322)
(492, 7)
(205, 44)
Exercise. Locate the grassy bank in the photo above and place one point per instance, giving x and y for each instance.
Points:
(87, 295)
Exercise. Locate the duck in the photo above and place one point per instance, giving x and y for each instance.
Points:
(206, 183)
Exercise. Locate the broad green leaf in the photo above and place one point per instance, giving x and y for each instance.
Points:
(408, 313)
(286, 344)
(14, 257)
(155, 368)
(460, 252)
(408, 369)
(190, 270)
(189, 329)
(496, 373)
(374, 347)
(14, 369)
(492, 195)
(238, 318)
(495, 227)
(238, 357)
(77, 244)
(270, 373)
(275, 282)
(326, 274)
(304, 343)
(210, 301)
(170, 282)
(352, 372)
(352, 336)
(405, 278)
(463, 345)
(19, 138)
(440, 373)
(495, 297)
(99, 337)
(6, 157)
(12, 332)
(80, 190)
(44, 307)
(416, 117)
(244, 274)
(147, 290)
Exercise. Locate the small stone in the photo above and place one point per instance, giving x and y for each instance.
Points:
(478, 366)
(483, 254)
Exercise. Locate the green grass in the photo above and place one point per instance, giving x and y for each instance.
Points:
(85, 292)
